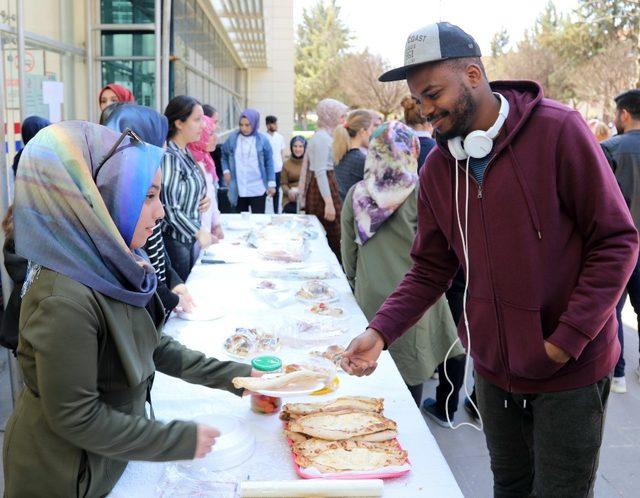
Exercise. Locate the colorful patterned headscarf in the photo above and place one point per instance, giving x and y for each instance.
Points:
(80, 227)
(199, 149)
(253, 117)
(329, 113)
(390, 176)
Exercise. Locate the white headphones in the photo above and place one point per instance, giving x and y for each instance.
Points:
(479, 143)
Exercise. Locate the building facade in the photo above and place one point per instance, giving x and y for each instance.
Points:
(230, 54)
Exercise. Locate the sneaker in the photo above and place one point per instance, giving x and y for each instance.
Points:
(471, 410)
(619, 385)
(430, 408)
(435, 376)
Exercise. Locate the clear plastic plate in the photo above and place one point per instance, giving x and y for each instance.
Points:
(232, 448)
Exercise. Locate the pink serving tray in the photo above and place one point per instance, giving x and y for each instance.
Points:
(363, 475)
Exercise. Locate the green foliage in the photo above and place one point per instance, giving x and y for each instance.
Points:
(322, 40)
(499, 42)
(587, 57)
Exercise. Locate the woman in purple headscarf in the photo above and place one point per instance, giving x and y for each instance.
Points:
(247, 163)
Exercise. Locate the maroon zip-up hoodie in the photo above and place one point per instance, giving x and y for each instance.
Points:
(551, 246)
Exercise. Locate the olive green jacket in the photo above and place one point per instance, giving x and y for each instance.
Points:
(88, 362)
(376, 268)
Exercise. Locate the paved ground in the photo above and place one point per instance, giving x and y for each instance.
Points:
(619, 471)
(466, 452)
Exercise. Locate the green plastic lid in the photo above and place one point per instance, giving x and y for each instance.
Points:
(266, 363)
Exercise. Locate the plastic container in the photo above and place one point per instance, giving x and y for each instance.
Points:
(263, 365)
(233, 447)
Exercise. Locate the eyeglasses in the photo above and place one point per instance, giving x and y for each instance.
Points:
(113, 150)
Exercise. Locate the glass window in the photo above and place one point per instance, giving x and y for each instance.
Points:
(126, 44)
(127, 11)
(139, 76)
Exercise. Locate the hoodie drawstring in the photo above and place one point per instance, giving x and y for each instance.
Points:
(528, 197)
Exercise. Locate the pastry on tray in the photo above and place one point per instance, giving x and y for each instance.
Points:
(332, 353)
(292, 411)
(341, 425)
(345, 456)
(247, 341)
(325, 310)
(316, 290)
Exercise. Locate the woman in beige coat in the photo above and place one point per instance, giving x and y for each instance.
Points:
(90, 338)
(379, 220)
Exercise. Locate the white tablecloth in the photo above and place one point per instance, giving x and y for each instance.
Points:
(231, 286)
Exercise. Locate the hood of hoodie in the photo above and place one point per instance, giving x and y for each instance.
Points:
(523, 96)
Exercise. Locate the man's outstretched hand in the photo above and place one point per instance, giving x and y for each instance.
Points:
(361, 357)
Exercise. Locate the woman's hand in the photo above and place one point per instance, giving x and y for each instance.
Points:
(205, 439)
(292, 195)
(271, 191)
(204, 239)
(329, 211)
(186, 303)
(204, 205)
(217, 232)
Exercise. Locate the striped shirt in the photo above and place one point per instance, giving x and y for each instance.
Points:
(183, 186)
(155, 251)
(478, 166)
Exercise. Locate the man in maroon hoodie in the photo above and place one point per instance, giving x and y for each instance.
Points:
(547, 243)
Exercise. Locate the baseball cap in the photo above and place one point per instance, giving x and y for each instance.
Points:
(435, 42)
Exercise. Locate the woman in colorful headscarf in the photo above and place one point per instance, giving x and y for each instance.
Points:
(379, 221)
(247, 163)
(290, 178)
(86, 200)
(152, 127)
(113, 93)
(201, 152)
(320, 196)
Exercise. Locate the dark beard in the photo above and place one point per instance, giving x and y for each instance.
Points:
(461, 116)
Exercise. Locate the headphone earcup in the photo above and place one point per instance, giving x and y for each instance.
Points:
(478, 144)
(457, 149)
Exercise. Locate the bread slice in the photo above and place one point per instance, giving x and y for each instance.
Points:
(298, 380)
(292, 411)
(341, 425)
(343, 456)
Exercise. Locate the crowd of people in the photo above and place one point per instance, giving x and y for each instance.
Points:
(512, 228)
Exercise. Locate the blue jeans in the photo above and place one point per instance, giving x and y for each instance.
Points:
(633, 290)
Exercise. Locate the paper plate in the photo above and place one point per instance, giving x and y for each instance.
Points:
(202, 314)
(298, 392)
(238, 225)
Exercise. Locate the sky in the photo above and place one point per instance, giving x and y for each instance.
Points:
(383, 25)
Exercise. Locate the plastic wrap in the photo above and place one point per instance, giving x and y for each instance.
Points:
(294, 271)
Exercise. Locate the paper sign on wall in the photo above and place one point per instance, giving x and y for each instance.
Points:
(53, 96)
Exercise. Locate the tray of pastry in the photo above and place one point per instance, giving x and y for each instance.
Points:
(346, 438)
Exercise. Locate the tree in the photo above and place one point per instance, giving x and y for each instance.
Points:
(361, 88)
(499, 42)
(605, 75)
(322, 40)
